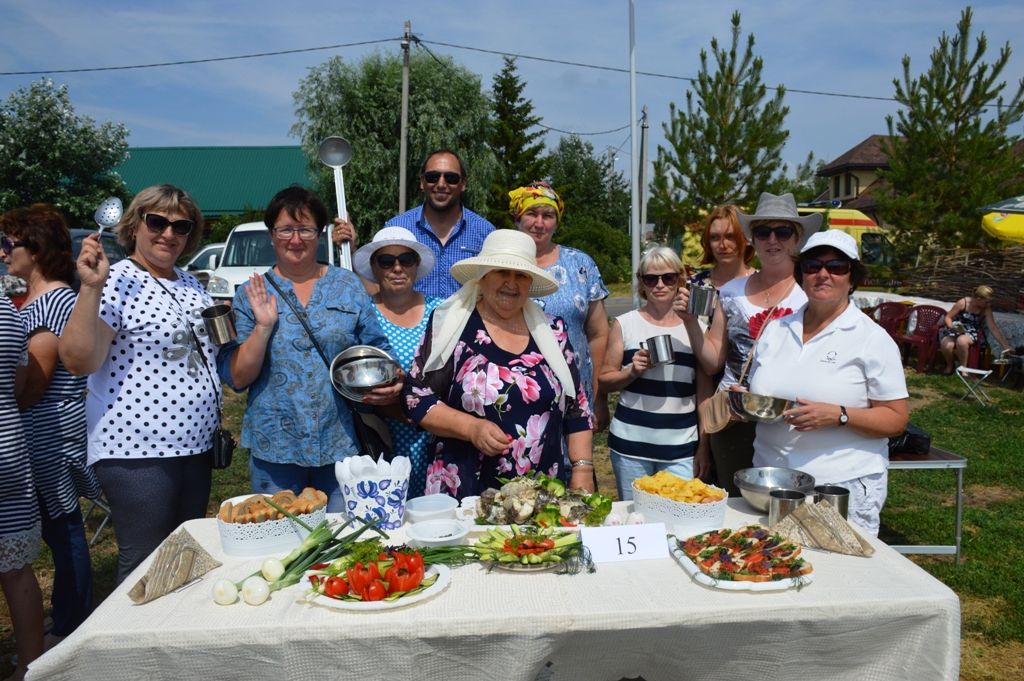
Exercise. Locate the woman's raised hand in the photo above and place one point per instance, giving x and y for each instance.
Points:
(92, 264)
(343, 231)
(264, 305)
(488, 438)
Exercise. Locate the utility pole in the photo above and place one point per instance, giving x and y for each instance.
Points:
(403, 143)
(634, 207)
(644, 137)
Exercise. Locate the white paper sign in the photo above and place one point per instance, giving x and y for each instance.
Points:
(626, 542)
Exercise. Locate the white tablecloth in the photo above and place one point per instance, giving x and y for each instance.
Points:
(862, 618)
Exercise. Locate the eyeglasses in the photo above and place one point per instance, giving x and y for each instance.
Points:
(450, 176)
(782, 232)
(670, 279)
(158, 223)
(833, 266)
(288, 231)
(6, 245)
(386, 261)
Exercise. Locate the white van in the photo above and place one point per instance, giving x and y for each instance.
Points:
(248, 250)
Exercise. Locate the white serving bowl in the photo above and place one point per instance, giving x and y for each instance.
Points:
(430, 507)
(437, 532)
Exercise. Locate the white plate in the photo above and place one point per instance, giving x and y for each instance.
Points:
(691, 569)
(444, 577)
(519, 567)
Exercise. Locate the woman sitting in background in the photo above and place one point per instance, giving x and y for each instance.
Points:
(964, 326)
(394, 260)
(845, 374)
(655, 423)
(37, 247)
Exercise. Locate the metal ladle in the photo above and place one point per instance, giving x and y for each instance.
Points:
(108, 213)
(335, 152)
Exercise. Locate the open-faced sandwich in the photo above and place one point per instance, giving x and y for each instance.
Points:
(752, 554)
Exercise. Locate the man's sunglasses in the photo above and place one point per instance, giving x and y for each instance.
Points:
(158, 223)
(782, 232)
(6, 245)
(837, 266)
(386, 261)
(670, 279)
(450, 176)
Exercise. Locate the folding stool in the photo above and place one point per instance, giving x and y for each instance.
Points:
(972, 380)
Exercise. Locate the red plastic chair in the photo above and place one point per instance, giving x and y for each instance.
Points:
(924, 338)
(892, 317)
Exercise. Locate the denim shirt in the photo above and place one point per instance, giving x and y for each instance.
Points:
(465, 241)
(294, 415)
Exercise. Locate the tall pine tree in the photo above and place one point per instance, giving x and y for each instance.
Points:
(519, 155)
(950, 151)
(726, 146)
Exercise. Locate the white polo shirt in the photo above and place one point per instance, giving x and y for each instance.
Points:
(851, 361)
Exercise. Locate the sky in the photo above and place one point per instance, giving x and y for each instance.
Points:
(838, 46)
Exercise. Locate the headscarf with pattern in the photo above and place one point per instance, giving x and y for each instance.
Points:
(519, 200)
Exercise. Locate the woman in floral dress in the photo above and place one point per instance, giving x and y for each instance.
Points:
(495, 379)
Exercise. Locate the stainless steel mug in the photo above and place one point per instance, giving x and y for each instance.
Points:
(219, 321)
(660, 349)
(838, 497)
(702, 300)
(782, 502)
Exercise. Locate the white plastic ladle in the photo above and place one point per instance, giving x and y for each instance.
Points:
(335, 152)
(108, 213)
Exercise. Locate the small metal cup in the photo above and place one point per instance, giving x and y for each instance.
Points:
(782, 502)
(220, 323)
(702, 300)
(660, 349)
(838, 497)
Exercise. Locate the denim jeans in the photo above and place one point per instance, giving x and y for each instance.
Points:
(72, 571)
(268, 477)
(627, 469)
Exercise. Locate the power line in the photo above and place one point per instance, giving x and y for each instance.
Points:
(195, 61)
(582, 134)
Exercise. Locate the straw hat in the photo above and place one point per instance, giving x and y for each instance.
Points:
(506, 249)
(392, 236)
(783, 207)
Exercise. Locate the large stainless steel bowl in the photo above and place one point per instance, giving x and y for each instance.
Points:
(760, 408)
(361, 368)
(756, 483)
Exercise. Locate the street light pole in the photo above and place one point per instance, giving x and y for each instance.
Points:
(634, 208)
(402, 145)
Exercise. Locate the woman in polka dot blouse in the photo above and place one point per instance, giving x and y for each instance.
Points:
(296, 426)
(153, 391)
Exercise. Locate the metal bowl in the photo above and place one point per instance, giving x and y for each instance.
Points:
(361, 368)
(760, 408)
(756, 483)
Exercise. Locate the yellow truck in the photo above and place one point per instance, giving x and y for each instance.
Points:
(875, 246)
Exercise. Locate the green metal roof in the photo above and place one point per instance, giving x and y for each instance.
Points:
(223, 180)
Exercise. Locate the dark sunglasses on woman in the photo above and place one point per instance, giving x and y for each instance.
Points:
(670, 279)
(838, 267)
(6, 245)
(386, 261)
(782, 232)
(450, 176)
(158, 223)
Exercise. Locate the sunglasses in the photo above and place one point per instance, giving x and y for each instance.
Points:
(6, 245)
(833, 266)
(386, 261)
(158, 223)
(305, 233)
(782, 232)
(670, 279)
(450, 176)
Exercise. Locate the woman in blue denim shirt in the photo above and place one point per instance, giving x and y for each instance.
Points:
(296, 426)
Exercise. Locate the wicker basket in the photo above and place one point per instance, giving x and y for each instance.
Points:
(265, 538)
(683, 516)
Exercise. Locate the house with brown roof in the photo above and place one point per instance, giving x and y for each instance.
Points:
(853, 177)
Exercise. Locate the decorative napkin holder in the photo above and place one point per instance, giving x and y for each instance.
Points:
(819, 526)
(374, 490)
(178, 561)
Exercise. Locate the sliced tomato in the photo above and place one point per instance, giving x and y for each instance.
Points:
(335, 586)
(375, 591)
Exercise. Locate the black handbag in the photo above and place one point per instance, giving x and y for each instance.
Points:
(223, 448)
(912, 441)
(372, 433)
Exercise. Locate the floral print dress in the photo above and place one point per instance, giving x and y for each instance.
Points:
(518, 392)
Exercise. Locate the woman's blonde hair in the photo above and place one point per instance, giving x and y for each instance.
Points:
(659, 255)
(165, 198)
(984, 291)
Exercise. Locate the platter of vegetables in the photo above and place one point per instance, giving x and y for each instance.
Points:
(531, 549)
(393, 579)
(537, 499)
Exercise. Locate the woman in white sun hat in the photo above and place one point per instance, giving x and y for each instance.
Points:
(495, 378)
(844, 374)
(394, 260)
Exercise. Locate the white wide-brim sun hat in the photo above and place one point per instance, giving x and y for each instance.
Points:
(506, 249)
(782, 208)
(392, 236)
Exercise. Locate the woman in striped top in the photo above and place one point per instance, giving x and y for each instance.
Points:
(655, 423)
(53, 406)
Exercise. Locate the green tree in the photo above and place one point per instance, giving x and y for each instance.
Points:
(519, 155)
(804, 184)
(726, 146)
(48, 154)
(362, 102)
(588, 184)
(950, 150)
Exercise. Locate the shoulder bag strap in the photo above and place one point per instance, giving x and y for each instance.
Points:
(301, 314)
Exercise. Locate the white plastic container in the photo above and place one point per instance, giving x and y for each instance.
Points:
(430, 507)
(682, 516)
(265, 538)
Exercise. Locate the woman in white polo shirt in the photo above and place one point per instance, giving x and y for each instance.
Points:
(845, 374)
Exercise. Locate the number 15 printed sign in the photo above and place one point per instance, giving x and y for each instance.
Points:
(625, 542)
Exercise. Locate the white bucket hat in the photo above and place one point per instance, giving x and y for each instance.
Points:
(783, 207)
(835, 239)
(506, 249)
(392, 236)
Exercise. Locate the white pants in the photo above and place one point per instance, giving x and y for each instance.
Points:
(867, 496)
